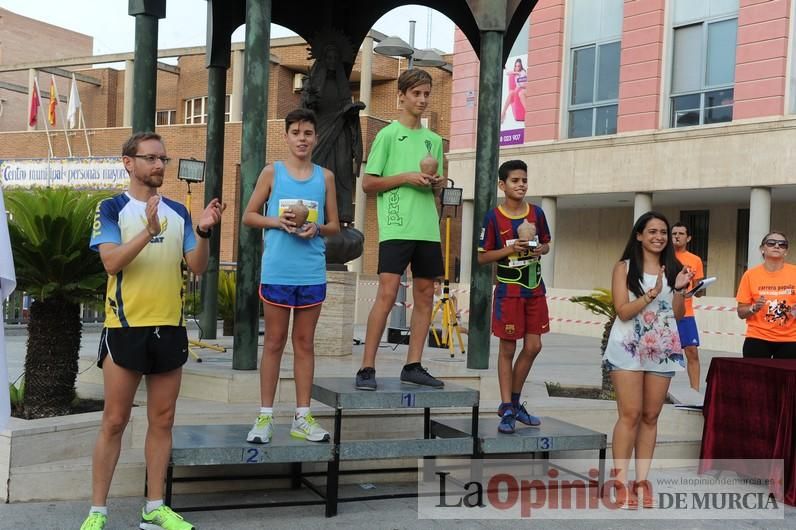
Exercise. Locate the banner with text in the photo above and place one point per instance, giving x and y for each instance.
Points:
(90, 173)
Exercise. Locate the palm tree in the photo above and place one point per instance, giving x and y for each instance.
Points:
(600, 303)
(50, 231)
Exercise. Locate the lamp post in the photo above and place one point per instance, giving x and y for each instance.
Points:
(397, 47)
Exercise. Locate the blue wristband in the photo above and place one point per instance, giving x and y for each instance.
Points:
(317, 230)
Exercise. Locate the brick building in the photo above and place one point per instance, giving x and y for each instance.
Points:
(181, 113)
(52, 42)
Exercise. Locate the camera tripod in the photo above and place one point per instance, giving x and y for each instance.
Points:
(191, 342)
(450, 322)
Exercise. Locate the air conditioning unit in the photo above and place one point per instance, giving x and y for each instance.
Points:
(298, 82)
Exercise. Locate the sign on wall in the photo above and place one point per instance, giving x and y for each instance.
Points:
(515, 78)
(92, 173)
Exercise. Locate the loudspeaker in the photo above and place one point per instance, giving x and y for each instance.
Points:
(398, 335)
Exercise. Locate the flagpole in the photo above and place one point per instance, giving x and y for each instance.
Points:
(81, 119)
(63, 115)
(85, 132)
(46, 128)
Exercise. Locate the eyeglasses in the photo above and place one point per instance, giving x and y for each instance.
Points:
(779, 243)
(151, 159)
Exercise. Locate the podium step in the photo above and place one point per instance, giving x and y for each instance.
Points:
(551, 435)
(226, 444)
(390, 449)
(340, 393)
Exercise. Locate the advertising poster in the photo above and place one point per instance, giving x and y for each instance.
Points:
(515, 78)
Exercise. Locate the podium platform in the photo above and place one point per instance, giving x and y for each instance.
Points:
(208, 445)
(341, 394)
(551, 436)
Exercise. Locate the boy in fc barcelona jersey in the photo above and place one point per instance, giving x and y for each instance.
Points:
(516, 235)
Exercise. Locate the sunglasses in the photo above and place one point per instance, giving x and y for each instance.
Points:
(779, 243)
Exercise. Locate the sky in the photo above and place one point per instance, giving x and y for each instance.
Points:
(185, 23)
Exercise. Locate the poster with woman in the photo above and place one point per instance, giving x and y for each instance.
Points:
(515, 79)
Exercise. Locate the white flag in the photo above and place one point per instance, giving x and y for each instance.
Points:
(73, 107)
(8, 282)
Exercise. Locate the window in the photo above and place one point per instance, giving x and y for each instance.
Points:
(196, 110)
(596, 26)
(698, 223)
(703, 62)
(595, 89)
(166, 117)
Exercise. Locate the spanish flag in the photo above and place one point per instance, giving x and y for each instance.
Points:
(53, 101)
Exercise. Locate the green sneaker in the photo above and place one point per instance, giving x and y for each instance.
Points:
(306, 428)
(163, 518)
(94, 521)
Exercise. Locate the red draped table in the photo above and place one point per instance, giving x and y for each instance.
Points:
(750, 413)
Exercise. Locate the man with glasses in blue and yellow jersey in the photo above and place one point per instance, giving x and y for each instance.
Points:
(142, 238)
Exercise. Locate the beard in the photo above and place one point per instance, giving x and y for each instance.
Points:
(153, 180)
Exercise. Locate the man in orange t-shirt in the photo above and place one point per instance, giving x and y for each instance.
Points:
(686, 326)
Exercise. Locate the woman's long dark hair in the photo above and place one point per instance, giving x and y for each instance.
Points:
(635, 256)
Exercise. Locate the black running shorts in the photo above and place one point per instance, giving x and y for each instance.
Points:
(424, 256)
(147, 350)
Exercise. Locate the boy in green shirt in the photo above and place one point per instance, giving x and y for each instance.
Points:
(408, 225)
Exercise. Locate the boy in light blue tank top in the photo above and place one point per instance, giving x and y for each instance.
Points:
(293, 276)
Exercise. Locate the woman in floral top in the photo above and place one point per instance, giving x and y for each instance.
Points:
(643, 351)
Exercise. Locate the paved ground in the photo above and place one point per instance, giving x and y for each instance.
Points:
(566, 359)
(382, 514)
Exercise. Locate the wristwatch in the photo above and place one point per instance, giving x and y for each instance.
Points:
(201, 233)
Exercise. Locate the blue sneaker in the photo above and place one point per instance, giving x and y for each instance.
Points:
(507, 421)
(524, 417)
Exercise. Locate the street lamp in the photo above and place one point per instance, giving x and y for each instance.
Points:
(427, 58)
(394, 47)
(397, 47)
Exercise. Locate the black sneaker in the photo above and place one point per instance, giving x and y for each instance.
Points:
(414, 374)
(366, 379)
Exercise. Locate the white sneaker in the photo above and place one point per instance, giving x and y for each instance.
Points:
(262, 431)
(306, 428)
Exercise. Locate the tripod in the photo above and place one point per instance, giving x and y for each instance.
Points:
(191, 342)
(450, 322)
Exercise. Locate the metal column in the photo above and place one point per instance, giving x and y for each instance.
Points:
(145, 66)
(214, 179)
(255, 105)
(486, 166)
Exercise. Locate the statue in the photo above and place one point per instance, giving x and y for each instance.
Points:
(328, 93)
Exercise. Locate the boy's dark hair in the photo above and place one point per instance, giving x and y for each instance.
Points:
(130, 147)
(509, 166)
(411, 78)
(683, 225)
(299, 115)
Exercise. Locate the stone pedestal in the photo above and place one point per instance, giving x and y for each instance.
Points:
(334, 335)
